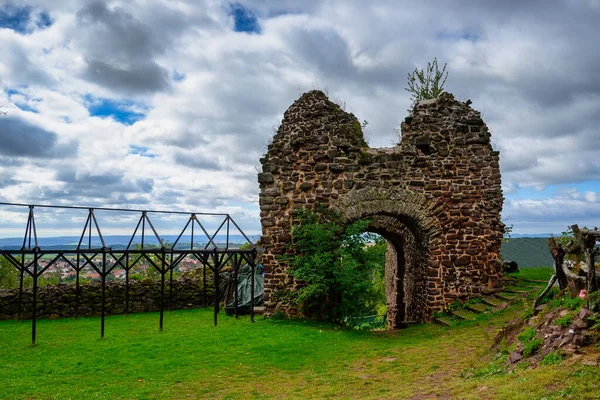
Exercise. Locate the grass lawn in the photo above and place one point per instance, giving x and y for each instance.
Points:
(270, 359)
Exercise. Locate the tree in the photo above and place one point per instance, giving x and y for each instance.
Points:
(144, 269)
(9, 275)
(426, 84)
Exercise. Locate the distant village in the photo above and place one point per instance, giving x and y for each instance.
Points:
(63, 272)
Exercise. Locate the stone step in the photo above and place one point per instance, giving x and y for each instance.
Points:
(442, 321)
(464, 315)
(259, 310)
(526, 288)
(531, 283)
(532, 291)
(514, 290)
(508, 296)
(503, 297)
(476, 308)
(490, 301)
(535, 281)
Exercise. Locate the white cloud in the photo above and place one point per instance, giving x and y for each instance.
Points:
(532, 70)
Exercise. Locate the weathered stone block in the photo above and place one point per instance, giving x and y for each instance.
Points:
(266, 177)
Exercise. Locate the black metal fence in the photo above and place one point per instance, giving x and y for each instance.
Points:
(164, 257)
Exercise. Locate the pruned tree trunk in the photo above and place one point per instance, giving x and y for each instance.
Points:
(558, 255)
(548, 287)
(584, 243)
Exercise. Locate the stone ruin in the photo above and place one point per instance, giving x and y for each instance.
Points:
(435, 197)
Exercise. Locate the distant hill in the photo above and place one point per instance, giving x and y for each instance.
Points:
(120, 242)
(528, 251)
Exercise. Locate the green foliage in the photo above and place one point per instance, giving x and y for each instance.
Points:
(564, 321)
(531, 343)
(527, 314)
(527, 335)
(367, 323)
(428, 83)
(455, 306)
(9, 276)
(245, 246)
(531, 347)
(375, 259)
(552, 358)
(506, 236)
(335, 265)
(279, 316)
(595, 322)
(144, 269)
(565, 237)
(565, 300)
(594, 299)
(473, 301)
(494, 368)
(549, 296)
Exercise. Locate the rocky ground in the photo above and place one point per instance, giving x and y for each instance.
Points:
(570, 330)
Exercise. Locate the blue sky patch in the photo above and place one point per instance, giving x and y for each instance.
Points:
(26, 107)
(22, 100)
(178, 76)
(141, 151)
(18, 18)
(125, 112)
(457, 35)
(245, 19)
(44, 20)
(530, 193)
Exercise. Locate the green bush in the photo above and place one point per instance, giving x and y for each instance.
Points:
(531, 347)
(564, 321)
(428, 83)
(549, 297)
(279, 316)
(9, 276)
(527, 314)
(531, 343)
(341, 276)
(552, 359)
(527, 335)
(566, 301)
(496, 367)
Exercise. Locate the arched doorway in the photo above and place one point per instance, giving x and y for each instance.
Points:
(405, 269)
(404, 220)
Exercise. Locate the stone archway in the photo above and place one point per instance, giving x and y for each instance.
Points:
(405, 220)
(436, 197)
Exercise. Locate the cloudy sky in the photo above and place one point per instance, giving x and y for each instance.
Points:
(169, 104)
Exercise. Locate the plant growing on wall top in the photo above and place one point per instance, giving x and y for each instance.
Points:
(426, 84)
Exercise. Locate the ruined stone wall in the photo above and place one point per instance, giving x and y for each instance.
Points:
(59, 301)
(442, 183)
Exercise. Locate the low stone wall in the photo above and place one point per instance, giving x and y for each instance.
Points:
(59, 301)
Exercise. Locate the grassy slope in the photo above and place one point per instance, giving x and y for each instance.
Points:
(268, 359)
